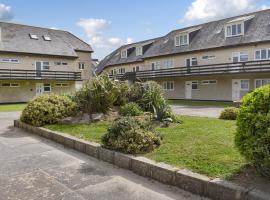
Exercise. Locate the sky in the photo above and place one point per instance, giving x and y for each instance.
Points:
(108, 24)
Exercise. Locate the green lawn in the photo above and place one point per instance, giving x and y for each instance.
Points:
(200, 103)
(204, 145)
(12, 107)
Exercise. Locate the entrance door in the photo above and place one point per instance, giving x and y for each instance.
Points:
(38, 68)
(188, 89)
(236, 88)
(39, 89)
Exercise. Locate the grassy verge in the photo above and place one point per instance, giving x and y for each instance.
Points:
(203, 145)
(12, 107)
(200, 103)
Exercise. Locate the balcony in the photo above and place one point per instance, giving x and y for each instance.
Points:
(199, 70)
(15, 74)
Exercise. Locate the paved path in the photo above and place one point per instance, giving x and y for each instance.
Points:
(35, 168)
(200, 111)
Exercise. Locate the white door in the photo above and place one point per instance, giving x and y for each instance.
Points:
(188, 89)
(39, 89)
(236, 88)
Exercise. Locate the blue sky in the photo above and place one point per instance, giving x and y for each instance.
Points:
(108, 24)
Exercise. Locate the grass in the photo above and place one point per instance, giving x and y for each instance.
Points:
(12, 107)
(200, 103)
(203, 145)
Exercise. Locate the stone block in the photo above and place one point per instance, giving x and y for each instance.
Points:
(192, 182)
(106, 155)
(80, 145)
(122, 160)
(142, 166)
(92, 149)
(164, 173)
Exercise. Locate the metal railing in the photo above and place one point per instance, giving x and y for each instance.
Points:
(18, 74)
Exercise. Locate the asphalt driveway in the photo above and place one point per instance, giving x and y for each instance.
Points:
(35, 168)
(200, 111)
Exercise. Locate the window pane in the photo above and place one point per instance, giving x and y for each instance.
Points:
(263, 54)
(245, 84)
(264, 82)
(239, 29)
(243, 57)
(235, 59)
(258, 55)
(233, 29)
(268, 53)
(229, 31)
(194, 85)
(258, 83)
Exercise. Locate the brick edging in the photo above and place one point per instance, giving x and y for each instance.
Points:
(181, 178)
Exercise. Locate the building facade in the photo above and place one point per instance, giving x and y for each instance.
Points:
(35, 61)
(220, 60)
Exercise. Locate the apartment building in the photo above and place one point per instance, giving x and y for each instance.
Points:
(35, 61)
(220, 60)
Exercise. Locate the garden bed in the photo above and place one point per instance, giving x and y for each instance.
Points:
(192, 144)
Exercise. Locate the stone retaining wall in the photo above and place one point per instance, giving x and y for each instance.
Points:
(184, 179)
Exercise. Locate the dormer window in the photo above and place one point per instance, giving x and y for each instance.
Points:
(124, 54)
(47, 38)
(234, 29)
(139, 51)
(181, 40)
(33, 36)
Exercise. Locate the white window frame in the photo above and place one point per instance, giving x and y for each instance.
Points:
(244, 89)
(139, 51)
(230, 34)
(260, 50)
(177, 39)
(47, 38)
(157, 65)
(61, 85)
(49, 86)
(166, 83)
(208, 82)
(81, 65)
(261, 79)
(238, 55)
(124, 53)
(121, 70)
(168, 63)
(33, 36)
(195, 82)
(9, 60)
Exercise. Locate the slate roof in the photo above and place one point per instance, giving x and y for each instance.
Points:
(15, 38)
(206, 36)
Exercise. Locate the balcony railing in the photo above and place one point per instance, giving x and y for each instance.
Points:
(15, 74)
(199, 70)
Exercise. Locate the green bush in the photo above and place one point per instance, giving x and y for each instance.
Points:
(47, 109)
(98, 95)
(122, 93)
(149, 96)
(229, 113)
(130, 109)
(131, 135)
(253, 133)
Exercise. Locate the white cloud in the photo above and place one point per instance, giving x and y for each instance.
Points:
(95, 32)
(6, 13)
(264, 7)
(206, 10)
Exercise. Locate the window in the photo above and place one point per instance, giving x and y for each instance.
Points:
(47, 87)
(64, 63)
(180, 40)
(193, 62)
(114, 71)
(261, 82)
(244, 85)
(121, 70)
(207, 82)
(9, 60)
(47, 38)
(194, 85)
(46, 65)
(155, 65)
(111, 72)
(262, 54)
(168, 85)
(168, 64)
(239, 57)
(124, 54)
(234, 30)
(33, 36)
(60, 63)
(210, 57)
(10, 85)
(81, 65)
(137, 68)
(139, 51)
(61, 85)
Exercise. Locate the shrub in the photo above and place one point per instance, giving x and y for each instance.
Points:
(121, 93)
(130, 109)
(47, 109)
(229, 113)
(253, 134)
(97, 95)
(130, 135)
